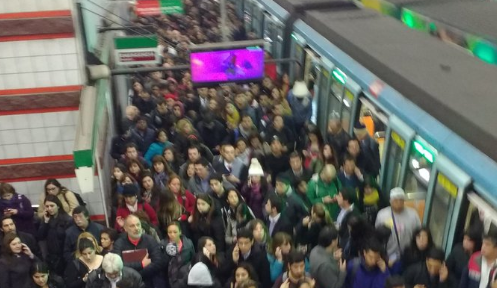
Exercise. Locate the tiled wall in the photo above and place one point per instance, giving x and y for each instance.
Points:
(39, 63)
(34, 5)
(34, 189)
(33, 135)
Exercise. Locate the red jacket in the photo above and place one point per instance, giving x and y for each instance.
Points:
(270, 71)
(124, 212)
(188, 202)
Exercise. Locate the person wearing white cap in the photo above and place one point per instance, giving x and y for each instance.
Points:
(256, 188)
(403, 221)
(300, 100)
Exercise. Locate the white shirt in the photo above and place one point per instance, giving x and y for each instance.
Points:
(113, 282)
(342, 214)
(485, 272)
(272, 222)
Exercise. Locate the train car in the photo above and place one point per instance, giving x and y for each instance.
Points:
(422, 95)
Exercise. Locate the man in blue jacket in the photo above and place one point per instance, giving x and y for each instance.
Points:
(370, 270)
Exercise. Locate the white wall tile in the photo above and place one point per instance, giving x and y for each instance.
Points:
(26, 150)
(52, 47)
(68, 45)
(2, 85)
(23, 65)
(9, 66)
(39, 135)
(27, 80)
(66, 118)
(53, 134)
(11, 151)
(40, 63)
(43, 79)
(73, 77)
(56, 62)
(59, 78)
(23, 136)
(5, 122)
(35, 120)
(21, 48)
(2, 153)
(55, 148)
(11, 81)
(20, 122)
(9, 136)
(6, 48)
(50, 119)
(70, 61)
(41, 149)
(68, 132)
(68, 147)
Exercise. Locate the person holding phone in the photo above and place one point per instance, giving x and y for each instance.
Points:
(77, 271)
(15, 262)
(432, 273)
(18, 207)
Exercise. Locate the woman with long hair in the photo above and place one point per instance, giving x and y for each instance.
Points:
(18, 207)
(161, 171)
(172, 158)
(256, 189)
(66, 197)
(15, 262)
(151, 191)
(416, 252)
(209, 254)
(135, 169)
(178, 252)
(278, 98)
(156, 148)
(243, 272)
(42, 278)
(239, 215)
(260, 233)
(52, 229)
(313, 148)
(169, 211)
(207, 221)
(77, 271)
(185, 132)
(281, 245)
(89, 236)
(308, 229)
(184, 197)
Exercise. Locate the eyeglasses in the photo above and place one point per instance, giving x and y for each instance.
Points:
(51, 189)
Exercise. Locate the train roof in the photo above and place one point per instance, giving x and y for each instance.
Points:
(295, 6)
(475, 17)
(449, 84)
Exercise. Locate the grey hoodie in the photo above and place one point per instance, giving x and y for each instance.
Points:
(200, 276)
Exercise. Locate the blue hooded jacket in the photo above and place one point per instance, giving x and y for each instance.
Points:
(359, 276)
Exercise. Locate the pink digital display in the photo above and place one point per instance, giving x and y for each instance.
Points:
(222, 66)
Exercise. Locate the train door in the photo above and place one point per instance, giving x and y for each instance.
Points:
(480, 215)
(323, 87)
(257, 19)
(444, 201)
(273, 35)
(297, 52)
(395, 160)
(342, 98)
(419, 173)
(312, 75)
(247, 14)
(374, 118)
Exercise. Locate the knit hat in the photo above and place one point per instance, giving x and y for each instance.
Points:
(283, 178)
(130, 190)
(255, 168)
(170, 96)
(300, 89)
(397, 193)
(200, 276)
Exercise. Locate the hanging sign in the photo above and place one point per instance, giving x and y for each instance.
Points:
(136, 50)
(158, 7)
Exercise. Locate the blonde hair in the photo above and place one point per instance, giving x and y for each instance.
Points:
(89, 236)
(182, 124)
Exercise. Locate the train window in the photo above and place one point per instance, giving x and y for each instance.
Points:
(418, 175)
(442, 207)
(393, 169)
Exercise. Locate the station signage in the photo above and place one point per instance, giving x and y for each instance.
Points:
(158, 7)
(136, 50)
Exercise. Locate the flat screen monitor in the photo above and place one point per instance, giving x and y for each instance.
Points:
(228, 65)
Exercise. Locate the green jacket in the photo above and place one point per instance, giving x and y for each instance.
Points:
(317, 190)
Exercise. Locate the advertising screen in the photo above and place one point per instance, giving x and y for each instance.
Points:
(221, 66)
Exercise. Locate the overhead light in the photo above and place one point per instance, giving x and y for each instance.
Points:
(425, 174)
(415, 164)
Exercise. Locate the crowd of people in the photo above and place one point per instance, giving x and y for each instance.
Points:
(232, 186)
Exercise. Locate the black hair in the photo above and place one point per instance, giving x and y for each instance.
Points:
(295, 154)
(216, 176)
(85, 243)
(348, 194)
(275, 202)
(294, 257)
(474, 233)
(130, 145)
(111, 232)
(491, 236)
(202, 161)
(39, 267)
(373, 245)
(56, 200)
(245, 233)
(81, 209)
(202, 241)
(327, 235)
(436, 253)
(249, 268)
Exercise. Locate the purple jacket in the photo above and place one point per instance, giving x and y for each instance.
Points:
(255, 199)
(24, 219)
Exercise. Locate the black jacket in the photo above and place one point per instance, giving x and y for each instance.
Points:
(178, 265)
(72, 234)
(339, 143)
(15, 272)
(154, 253)
(457, 261)
(54, 232)
(283, 225)
(418, 274)
(75, 271)
(294, 179)
(258, 259)
(97, 279)
(29, 240)
(54, 281)
(212, 135)
(215, 230)
(343, 231)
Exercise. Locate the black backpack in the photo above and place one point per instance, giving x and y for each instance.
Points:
(81, 202)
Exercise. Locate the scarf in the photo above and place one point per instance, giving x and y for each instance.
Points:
(133, 208)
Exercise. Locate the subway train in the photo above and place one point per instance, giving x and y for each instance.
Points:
(469, 24)
(429, 105)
